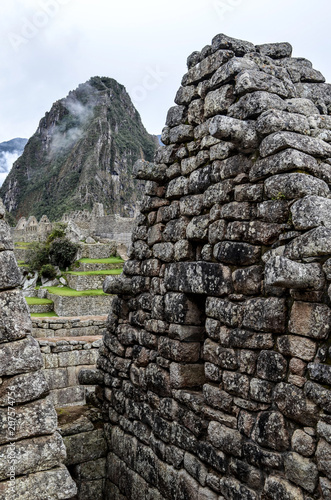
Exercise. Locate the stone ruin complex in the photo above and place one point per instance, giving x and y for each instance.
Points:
(82, 224)
(214, 376)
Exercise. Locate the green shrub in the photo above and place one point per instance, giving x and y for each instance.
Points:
(58, 232)
(48, 271)
(37, 256)
(62, 252)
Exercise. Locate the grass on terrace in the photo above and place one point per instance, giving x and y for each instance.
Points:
(105, 272)
(110, 260)
(22, 244)
(35, 301)
(69, 292)
(50, 314)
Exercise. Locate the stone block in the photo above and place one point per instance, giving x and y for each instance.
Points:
(20, 356)
(310, 320)
(310, 212)
(320, 373)
(85, 447)
(10, 273)
(254, 80)
(237, 131)
(15, 322)
(179, 351)
(255, 103)
(236, 383)
(198, 278)
(270, 431)
(303, 443)
(274, 121)
(197, 229)
(227, 312)
(206, 67)
(301, 347)
(26, 387)
(282, 140)
(314, 243)
(247, 280)
(293, 404)
(323, 456)
(186, 376)
(55, 483)
(32, 419)
(229, 70)
(218, 101)
(285, 273)
(278, 488)
(275, 50)
(33, 455)
(225, 439)
(295, 185)
(265, 314)
(239, 254)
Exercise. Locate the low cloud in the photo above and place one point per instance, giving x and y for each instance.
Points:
(72, 127)
(6, 162)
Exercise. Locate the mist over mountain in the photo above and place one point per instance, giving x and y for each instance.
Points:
(9, 152)
(82, 152)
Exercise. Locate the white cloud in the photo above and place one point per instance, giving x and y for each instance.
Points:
(6, 163)
(123, 40)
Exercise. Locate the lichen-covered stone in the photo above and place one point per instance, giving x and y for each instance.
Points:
(15, 322)
(310, 212)
(20, 356)
(57, 484)
(200, 277)
(282, 140)
(275, 50)
(33, 455)
(280, 271)
(310, 320)
(292, 186)
(242, 133)
(10, 275)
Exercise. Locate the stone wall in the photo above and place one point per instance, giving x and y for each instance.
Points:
(84, 438)
(84, 326)
(85, 282)
(31, 450)
(63, 358)
(216, 362)
(78, 306)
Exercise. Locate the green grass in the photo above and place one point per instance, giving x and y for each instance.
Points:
(105, 272)
(22, 244)
(69, 292)
(50, 314)
(34, 301)
(110, 260)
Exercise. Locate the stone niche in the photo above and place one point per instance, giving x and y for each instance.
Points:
(216, 360)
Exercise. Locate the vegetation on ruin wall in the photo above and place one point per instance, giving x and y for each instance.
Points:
(69, 292)
(96, 166)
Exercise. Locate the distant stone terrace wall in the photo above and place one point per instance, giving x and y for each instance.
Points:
(216, 362)
(84, 326)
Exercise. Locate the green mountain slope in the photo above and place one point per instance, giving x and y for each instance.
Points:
(82, 152)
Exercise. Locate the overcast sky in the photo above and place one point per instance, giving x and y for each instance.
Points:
(48, 47)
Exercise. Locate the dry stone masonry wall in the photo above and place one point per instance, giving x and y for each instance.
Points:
(216, 362)
(31, 449)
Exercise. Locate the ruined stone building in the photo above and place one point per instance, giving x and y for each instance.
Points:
(214, 377)
(82, 224)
